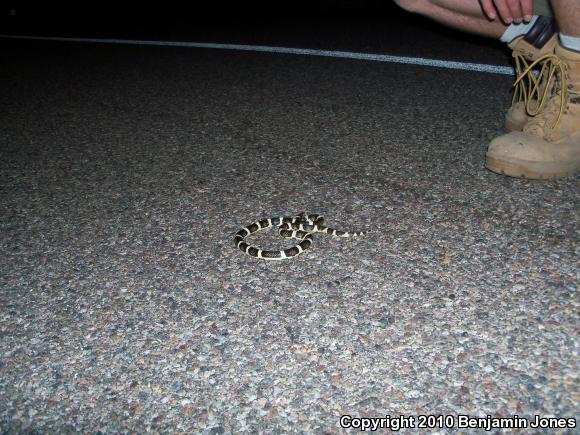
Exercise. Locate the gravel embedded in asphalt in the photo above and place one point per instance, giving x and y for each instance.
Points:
(126, 172)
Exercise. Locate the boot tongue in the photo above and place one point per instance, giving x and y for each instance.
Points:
(540, 40)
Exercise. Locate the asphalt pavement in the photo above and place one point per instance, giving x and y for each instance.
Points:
(126, 170)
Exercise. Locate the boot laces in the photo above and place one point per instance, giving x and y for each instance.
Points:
(545, 92)
(522, 91)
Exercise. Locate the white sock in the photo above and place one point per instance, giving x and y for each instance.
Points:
(514, 30)
(570, 42)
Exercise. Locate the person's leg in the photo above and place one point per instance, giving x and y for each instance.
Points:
(549, 145)
(568, 15)
(465, 15)
(528, 41)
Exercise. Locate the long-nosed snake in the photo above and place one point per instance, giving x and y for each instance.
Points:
(300, 227)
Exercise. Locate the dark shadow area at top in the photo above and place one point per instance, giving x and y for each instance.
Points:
(253, 22)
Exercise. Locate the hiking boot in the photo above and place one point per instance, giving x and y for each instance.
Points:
(540, 40)
(549, 145)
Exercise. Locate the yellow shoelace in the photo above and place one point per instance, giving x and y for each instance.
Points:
(521, 91)
(541, 87)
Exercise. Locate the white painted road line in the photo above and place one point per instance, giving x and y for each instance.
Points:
(479, 67)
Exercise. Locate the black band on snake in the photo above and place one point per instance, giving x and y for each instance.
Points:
(300, 227)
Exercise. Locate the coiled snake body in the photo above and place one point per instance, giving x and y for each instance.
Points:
(300, 227)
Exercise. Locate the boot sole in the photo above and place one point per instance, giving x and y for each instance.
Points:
(531, 170)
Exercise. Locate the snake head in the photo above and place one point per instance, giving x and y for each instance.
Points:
(310, 218)
(314, 219)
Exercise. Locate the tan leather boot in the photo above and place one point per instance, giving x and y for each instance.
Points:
(539, 41)
(549, 145)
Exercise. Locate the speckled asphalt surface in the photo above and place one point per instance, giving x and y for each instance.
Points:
(126, 171)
